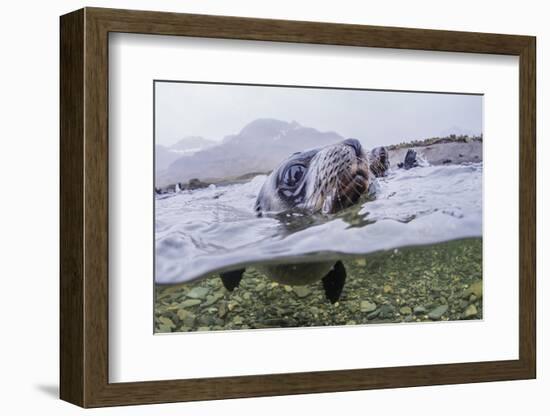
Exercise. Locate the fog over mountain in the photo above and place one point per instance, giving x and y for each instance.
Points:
(258, 147)
(165, 156)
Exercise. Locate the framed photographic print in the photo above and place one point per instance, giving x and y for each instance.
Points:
(255, 207)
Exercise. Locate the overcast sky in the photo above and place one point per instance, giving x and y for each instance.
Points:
(374, 117)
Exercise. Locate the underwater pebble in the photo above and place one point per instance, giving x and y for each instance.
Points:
(222, 310)
(167, 322)
(388, 289)
(164, 328)
(211, 299)
(171, 290)
(367, 306)
(198, 292)
(302, 291)
(405, 310)
(470, 311)
(190, 302)
(419, 310)
(373, 315)
(475, 288)
(232, 305)
(188, 318)
(386, 311)
(206, 320)
(438, 312)
(260, 287)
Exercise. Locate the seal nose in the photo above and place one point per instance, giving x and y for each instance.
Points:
(355, 144)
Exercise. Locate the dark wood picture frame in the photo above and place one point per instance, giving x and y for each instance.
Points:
(84, 207)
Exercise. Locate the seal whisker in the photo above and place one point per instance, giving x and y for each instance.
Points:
(343, 193)
(311, 197)
(353, 187)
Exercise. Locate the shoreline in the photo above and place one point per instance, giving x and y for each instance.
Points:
(440, 152)
(455, 153)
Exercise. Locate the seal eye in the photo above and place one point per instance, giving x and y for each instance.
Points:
(293, 174)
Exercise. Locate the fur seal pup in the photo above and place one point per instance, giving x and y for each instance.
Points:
(324, 180)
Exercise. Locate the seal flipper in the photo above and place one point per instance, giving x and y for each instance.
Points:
(232, 279)
(333, 282)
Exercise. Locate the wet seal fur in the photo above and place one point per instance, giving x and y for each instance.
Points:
(324, 180)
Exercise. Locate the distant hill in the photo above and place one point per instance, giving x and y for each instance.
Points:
(165, 156)
(258, 147)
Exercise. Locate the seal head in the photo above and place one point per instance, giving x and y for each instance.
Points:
(324, 180)
(379, 161)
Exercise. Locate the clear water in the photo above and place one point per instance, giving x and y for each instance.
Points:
(207, 230)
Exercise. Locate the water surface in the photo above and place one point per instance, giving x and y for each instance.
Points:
(207, 230)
